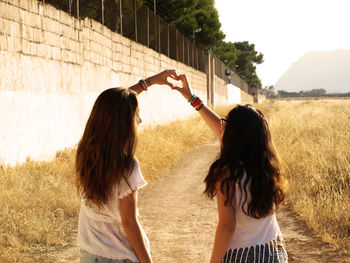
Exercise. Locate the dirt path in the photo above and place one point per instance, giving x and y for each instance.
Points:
(180, 222)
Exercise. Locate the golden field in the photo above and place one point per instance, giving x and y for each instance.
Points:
(313, 140)
(39, 204)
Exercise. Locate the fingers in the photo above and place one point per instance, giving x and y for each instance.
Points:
(177, 88)
(174, 76)
(170, 84)
(171, 73)
(182, 77)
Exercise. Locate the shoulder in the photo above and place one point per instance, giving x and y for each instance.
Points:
(135, 173)
(133, 181)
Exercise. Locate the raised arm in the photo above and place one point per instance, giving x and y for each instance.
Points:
(209, 116)
(160, 79)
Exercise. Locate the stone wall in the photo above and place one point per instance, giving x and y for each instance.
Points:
(246, 98)
(233, 94)
(220, 87)
(52, 68)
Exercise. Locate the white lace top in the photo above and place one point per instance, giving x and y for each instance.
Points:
(101, 232)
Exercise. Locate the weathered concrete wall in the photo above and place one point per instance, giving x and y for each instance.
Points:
(246, 98)
(220, 96)
(52, 68)
(233, 94)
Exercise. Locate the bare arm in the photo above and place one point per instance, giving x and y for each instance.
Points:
(209, 116)
(128, 208)
(160, 79)
(212, 119)
(225, 228)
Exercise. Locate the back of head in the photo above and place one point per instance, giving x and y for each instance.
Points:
(247, 147)
(245, 134)
(106, 149)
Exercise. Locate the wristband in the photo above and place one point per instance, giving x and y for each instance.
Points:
(193, 98)
(143, 84)
(196, 102)
(199, 106)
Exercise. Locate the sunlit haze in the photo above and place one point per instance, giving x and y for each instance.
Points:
(285, 30)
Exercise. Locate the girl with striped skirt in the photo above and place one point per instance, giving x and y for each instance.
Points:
(247, 182)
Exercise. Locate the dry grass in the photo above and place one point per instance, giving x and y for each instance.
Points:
(313, 140)
(38, 208)
(39, 205)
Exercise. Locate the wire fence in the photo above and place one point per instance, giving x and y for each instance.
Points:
(141, 23)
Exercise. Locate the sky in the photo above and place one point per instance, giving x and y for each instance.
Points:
(285, 30)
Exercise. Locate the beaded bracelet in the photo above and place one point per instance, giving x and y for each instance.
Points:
(143, 84)
(196, 102)
(192, 99)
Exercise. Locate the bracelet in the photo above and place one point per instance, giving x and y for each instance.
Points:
(193, 98)
(143, 84)
(196, 102)
(199, 106)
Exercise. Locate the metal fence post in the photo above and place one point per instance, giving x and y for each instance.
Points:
(159, 44)
(177, 44)
(78, 9)
(183, 49)
(168, 46)
(135, 21)
(155, 24)
(103, 11)
(147, 27)
(121, 17)
(212, 82)
(207, 70)
(70, 6)
(193, 64)
(188, 53)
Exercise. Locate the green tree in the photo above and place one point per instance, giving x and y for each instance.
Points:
(242, 58)
(227, 53)
(283, 93)
(247, 59)
(270, 92)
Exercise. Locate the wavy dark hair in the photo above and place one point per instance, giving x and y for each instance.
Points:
(106, 150)
(247, 148)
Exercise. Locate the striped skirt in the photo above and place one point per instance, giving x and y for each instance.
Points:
(272, 252)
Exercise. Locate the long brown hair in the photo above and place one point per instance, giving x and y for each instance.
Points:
(106, 150)
(247, 148)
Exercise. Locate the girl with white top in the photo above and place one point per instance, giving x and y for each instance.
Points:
(247, 181)
(108, 176)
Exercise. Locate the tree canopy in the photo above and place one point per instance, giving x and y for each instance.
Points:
(242, 58)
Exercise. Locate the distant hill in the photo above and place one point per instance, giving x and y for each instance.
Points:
(329, 70)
